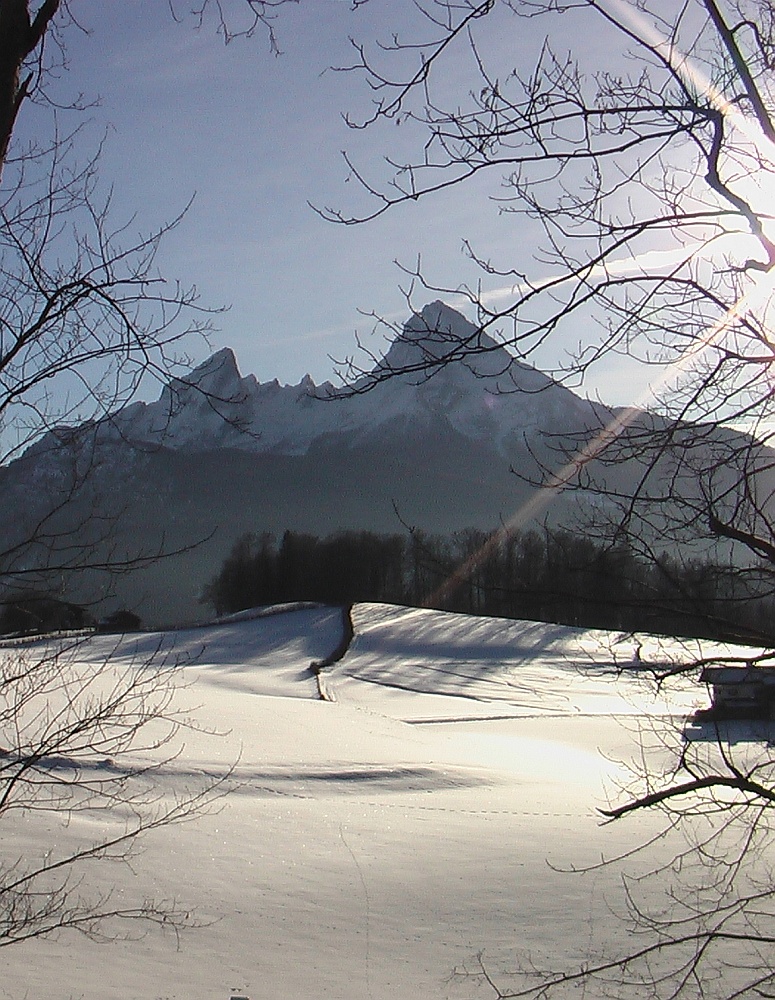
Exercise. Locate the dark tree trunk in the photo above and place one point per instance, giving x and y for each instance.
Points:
(20, 34)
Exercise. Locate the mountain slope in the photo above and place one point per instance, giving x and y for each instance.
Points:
(430, 437)
(487, 397)
(219, 454)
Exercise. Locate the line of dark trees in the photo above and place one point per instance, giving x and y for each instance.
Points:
(546, 576)
(33, 613)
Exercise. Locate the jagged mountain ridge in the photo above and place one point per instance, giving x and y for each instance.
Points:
(487, 397)
(220, 454)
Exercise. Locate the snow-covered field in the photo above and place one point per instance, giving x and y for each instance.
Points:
(373, 843)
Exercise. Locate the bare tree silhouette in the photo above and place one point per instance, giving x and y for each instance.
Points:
(85, 319)
(650, 179)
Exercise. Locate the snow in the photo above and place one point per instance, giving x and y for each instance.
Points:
(489, 397)
(369, 845)
(434, 665)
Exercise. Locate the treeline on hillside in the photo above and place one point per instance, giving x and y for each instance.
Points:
(545, 576)
(40, 612)
(33, 613)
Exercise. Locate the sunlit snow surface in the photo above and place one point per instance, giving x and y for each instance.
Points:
(370, 844)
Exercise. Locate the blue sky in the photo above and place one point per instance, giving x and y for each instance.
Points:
(253, 138)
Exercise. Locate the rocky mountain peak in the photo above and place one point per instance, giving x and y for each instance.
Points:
(432, 337)
(447, 373)
(219, 376)
(438, 345)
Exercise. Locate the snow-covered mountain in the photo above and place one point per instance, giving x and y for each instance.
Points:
(430, 436)
(451, 376)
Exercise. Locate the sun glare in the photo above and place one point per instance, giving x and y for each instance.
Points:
(758, 185)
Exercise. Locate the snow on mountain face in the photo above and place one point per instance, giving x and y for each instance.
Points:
(450, 367)
(439, 334)
(215, 407)
(442, 371)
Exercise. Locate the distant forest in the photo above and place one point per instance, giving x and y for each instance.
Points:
(545, 576)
